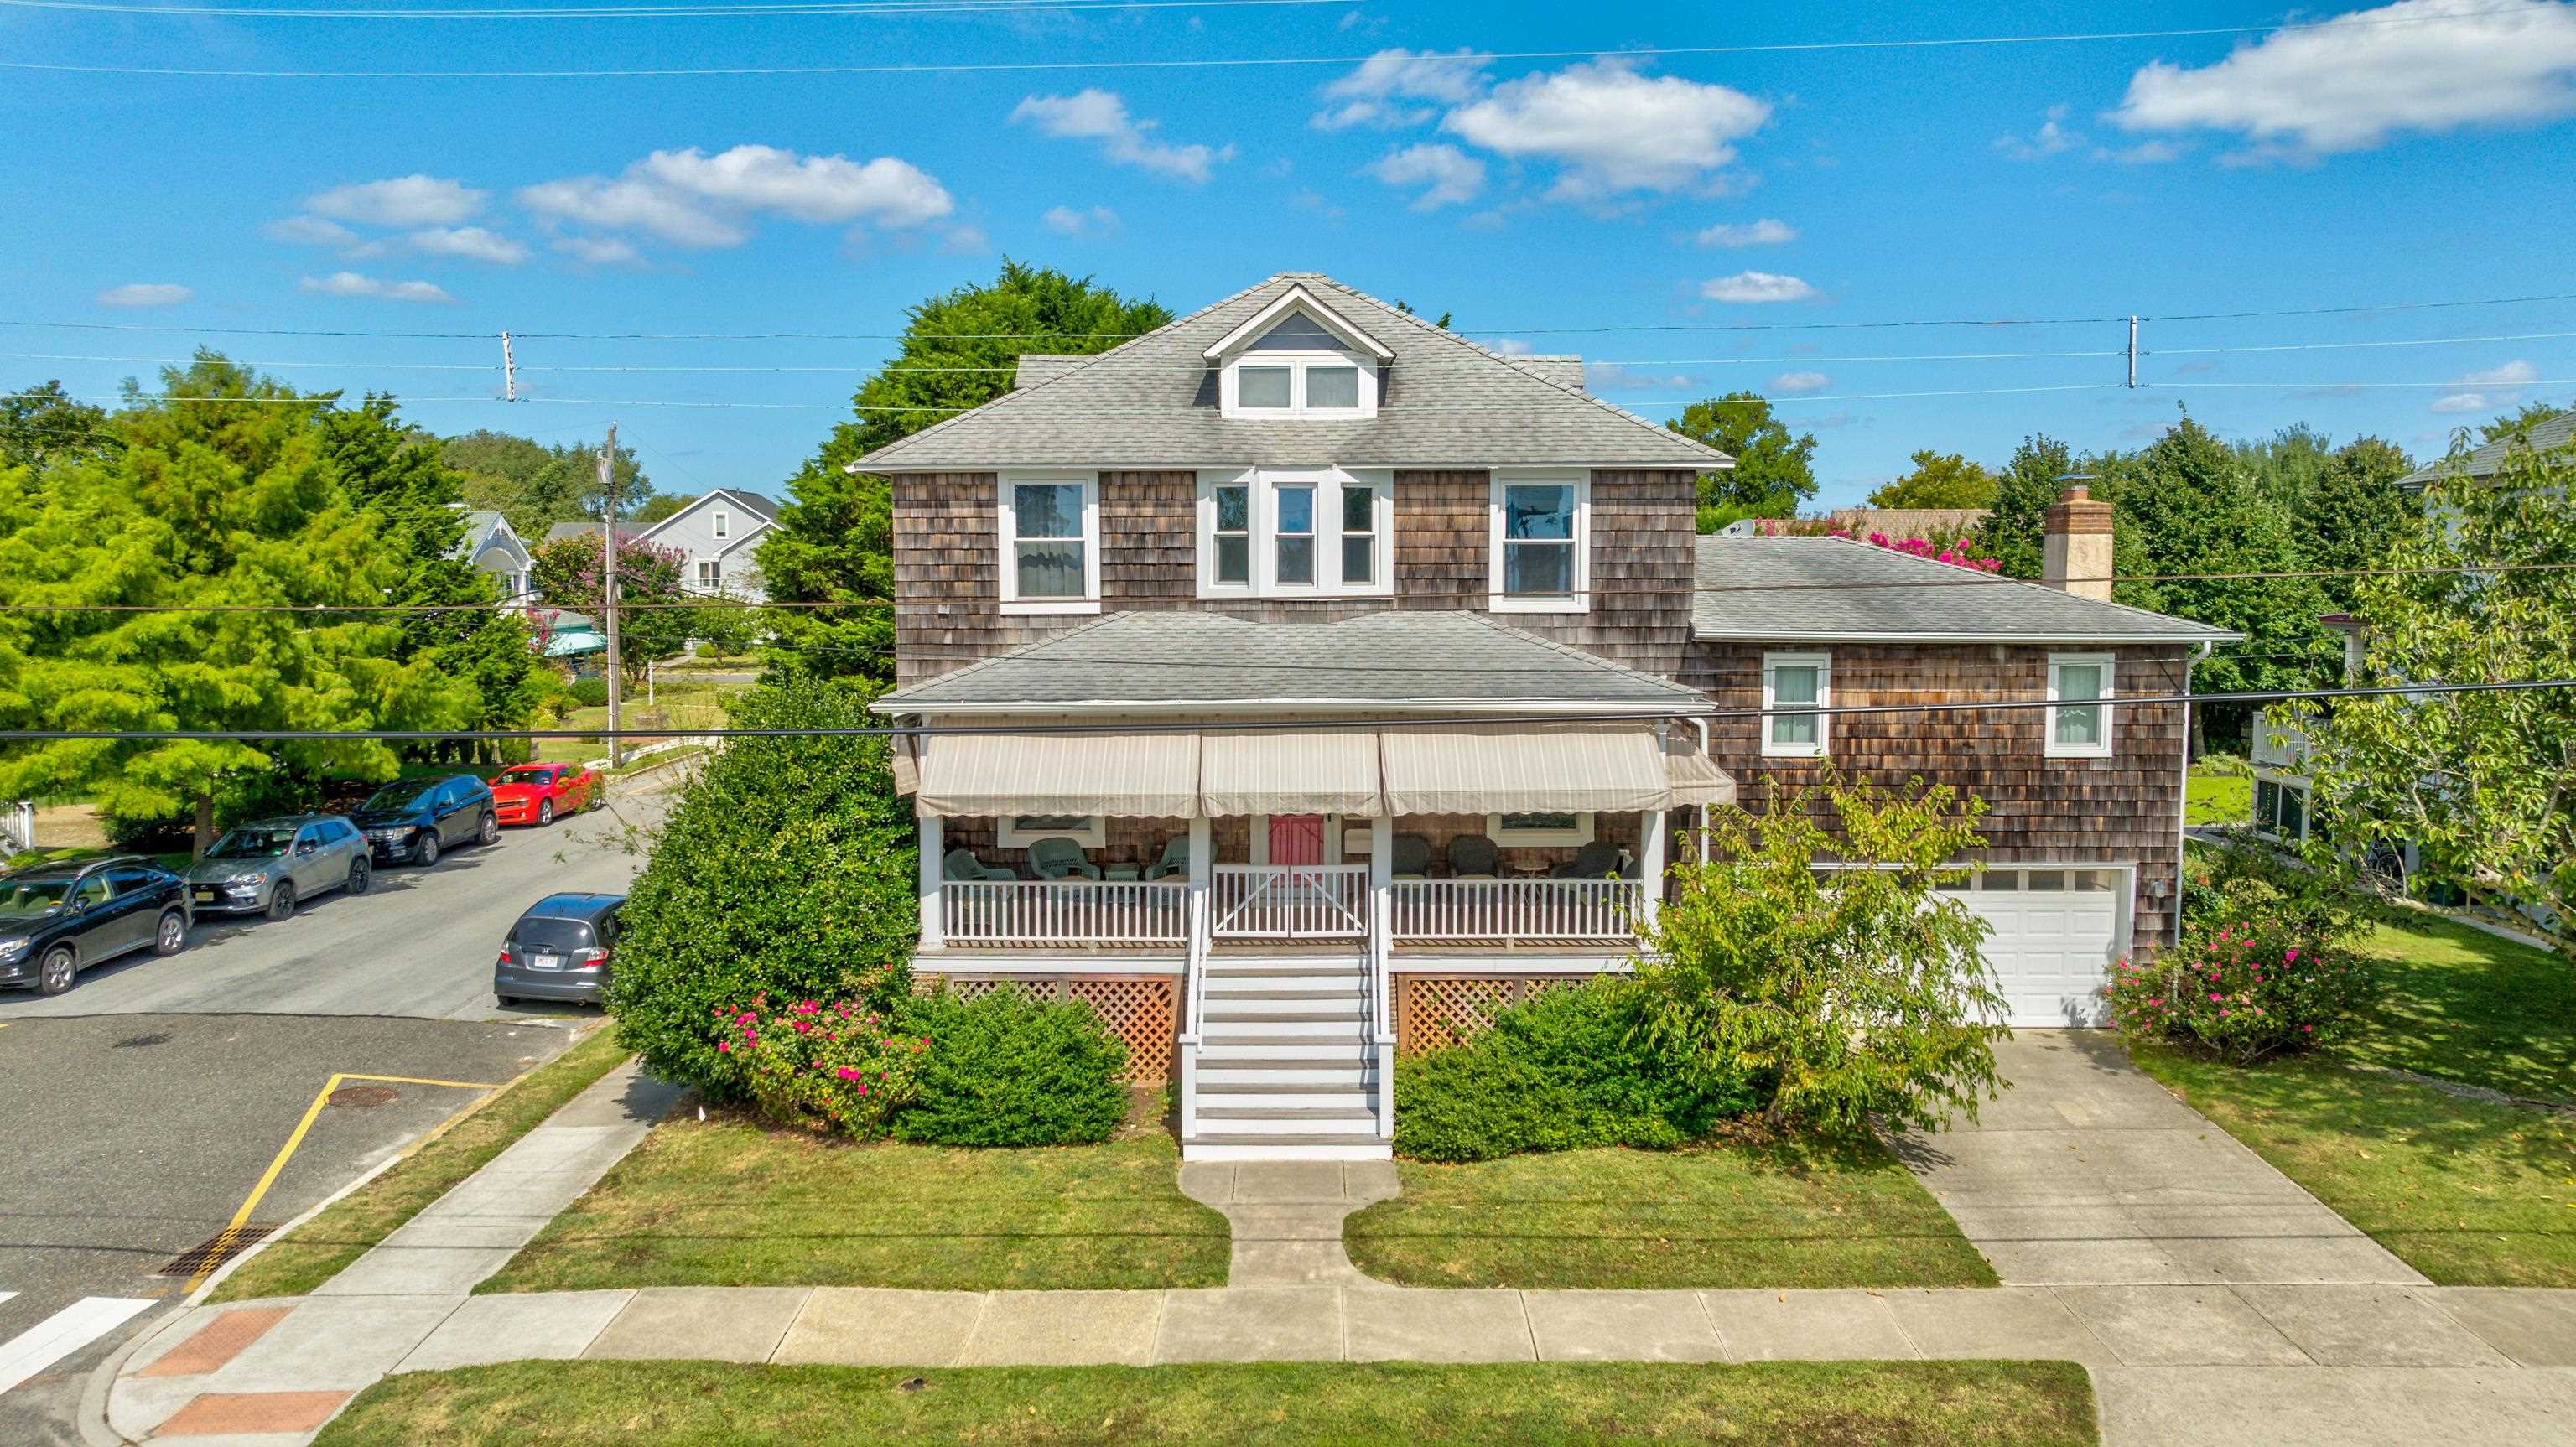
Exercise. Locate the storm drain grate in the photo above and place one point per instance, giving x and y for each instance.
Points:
(215, 1250)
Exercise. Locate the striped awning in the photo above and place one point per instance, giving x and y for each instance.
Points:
(1289, 771)
(1693, 777)
(1518, 768)
(1132, 775)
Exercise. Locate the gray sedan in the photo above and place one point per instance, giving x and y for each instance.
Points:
(268, 865)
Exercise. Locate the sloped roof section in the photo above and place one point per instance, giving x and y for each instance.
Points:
(1382, 659)
(1152, 402)
(1835, 589)
(2541, 436)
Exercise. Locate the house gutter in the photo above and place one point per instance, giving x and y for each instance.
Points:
(2182, 801)
(1397, 708)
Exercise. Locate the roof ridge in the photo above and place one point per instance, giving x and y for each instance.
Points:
(1999, 579)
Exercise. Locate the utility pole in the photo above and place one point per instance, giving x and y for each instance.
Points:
(608, 575)
(2133, 351)
(509, 371)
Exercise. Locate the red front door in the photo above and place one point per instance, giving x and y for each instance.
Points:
(1296, 838)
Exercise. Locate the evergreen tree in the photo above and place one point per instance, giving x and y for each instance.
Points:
(2356, 513)
(2023, 492)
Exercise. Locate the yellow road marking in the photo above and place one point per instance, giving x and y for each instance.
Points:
(312, 1113)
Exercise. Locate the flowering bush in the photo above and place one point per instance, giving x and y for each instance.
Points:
(840, 1064)
(2241, 992)
(1947, 553)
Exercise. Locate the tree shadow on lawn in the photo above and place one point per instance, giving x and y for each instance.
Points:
(2465, 1005)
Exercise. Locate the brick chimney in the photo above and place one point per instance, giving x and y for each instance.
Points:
(2075, 550)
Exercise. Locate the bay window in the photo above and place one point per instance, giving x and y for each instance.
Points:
(1295, 532)
(1232, 534)
(1049, 543)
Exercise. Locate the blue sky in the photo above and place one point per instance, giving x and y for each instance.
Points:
(2362, 163)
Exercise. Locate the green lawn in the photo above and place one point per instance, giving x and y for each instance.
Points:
(733, 1202)
(1773, 1216)
(2470, 1194)
(316, 1251)
(2218, 798)
(1285, 1404)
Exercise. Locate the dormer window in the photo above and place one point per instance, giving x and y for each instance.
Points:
(1297, 358)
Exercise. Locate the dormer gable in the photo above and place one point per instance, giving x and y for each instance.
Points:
(1298, 357)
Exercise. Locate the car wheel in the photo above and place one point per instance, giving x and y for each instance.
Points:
(281, 900)
(490, 830)
(428, 849)
(171, 935)
(361, 874)
(55, 975)
(504, 1001)
(545, 811)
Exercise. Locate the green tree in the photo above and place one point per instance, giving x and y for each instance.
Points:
(2023, 492)
(536, 486)
(2482, 784)
(1773, 473)
(226, 494)
(658, 507)
(2518, 420)
(834, 539)
(652, 621)
(1860, 993)
(1939, 480)
(41, 423)
(2355, 513)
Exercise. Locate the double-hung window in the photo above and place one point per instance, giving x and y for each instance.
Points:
(1790, 680)
(1050, 543)
(1541, 543)
(721, 525)
(2079, 722)
(1295, 532)
(710, 573)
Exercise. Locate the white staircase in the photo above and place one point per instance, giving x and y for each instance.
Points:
(1286, 1066)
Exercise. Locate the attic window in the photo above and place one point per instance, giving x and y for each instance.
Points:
(1298, 357)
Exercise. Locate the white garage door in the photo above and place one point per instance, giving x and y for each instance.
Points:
(2057, 932)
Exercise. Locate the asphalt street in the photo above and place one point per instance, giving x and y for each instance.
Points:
(146, 1103)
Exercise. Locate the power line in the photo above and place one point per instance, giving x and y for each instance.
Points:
(724, 9)
(1471, 57)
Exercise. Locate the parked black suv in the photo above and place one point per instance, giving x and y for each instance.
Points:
(559, 950)
(411, 820)
(57, 920)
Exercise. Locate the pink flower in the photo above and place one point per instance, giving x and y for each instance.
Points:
(2307, 1029)
(724, 1046)
(846, 1073)
(2292, 957)
(2214, 999)
(863, 1087)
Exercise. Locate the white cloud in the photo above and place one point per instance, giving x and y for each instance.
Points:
(1606, 378)
(1066, 221)
(598, 250)
(2498, 386)
(1372, 95)
(2144, 153)
(1510, 347)
(350, 283)
(2051, 138)
(402, 201)
(690, 198)
(1093, 114)
(2417, 65)
(631, 205)
(1755, 286)
(309, 231)
(964, 241)
(1450, 176)
(2516, 373)
(1614, 131)
(472, 243)
(1735, 236)
(145, 293)
(2462, 402)
(1801, 382)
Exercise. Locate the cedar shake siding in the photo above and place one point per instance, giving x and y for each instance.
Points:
(947, 583)
(2124, 809)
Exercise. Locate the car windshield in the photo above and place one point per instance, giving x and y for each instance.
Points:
(400, 796)
(32, 896)
(254, 841)
(525, 774)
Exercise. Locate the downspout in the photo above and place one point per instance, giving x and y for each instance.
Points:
(2182, 801)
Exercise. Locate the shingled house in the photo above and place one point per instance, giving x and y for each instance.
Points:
(1400, 677)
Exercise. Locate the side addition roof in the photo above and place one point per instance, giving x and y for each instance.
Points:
(1836, 589)
(1169, 661)
(1152, 402)
(2540, 436)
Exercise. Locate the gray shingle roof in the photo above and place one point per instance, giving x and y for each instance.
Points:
(1376, 658)
(1151, 402)
(758, 502)
(1796, 588)
(578, 528)
(2547, 433)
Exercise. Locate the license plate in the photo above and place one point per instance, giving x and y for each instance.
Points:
(545, 962)
(205, 896)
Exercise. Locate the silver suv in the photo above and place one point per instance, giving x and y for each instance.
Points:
(269, 864)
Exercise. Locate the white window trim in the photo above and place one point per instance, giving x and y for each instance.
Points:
(1581, 833)
(706, 565)
(1262, 579)
(1091, 834)
(721, 524)
(1823, 663)
(2101, 750)
(1007, 530)
(1229, 385)
(1580, 600)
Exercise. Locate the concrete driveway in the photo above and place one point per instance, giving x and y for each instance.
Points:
(2088, 1172)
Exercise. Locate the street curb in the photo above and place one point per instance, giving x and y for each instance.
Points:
(92, 1417)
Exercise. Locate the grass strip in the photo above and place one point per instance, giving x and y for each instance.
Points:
(2465, 1005)
(317, 1250)
(735, 1201)
(1282, 1404)
(1777, 1214)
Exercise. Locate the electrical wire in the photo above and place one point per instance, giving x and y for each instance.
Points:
(691, 10)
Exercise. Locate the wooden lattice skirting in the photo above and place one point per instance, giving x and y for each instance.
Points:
(1434, 1011)
(1143, 1010)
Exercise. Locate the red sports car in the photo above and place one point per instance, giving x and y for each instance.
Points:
(536, 793)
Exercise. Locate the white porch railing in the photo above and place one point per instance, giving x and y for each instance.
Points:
(1515, 909)
(1063, 911)
(1288, 901)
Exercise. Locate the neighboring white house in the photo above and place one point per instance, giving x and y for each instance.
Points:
(496, 550)
(718, 534)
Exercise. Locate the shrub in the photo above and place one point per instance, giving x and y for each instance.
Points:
(1008, 1069)
(2225, 884)
(709, 650)
(1565, 1070)
(845, 1065)
(784, 869)
(2242, 992)
(590, 692)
